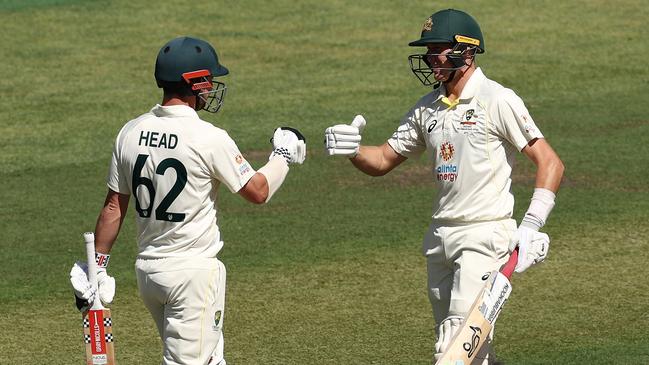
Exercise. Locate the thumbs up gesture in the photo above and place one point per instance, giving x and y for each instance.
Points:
(345, 139)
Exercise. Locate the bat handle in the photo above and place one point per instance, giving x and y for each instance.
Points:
(510, 265)
(89, 239)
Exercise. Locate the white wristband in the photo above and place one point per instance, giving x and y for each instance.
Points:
(275, 172)
(539, 210)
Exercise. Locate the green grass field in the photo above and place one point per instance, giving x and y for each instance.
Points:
(330, 271)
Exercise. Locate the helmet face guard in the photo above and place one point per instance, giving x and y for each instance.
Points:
(208, 91)
(423, 65)
(213, 99)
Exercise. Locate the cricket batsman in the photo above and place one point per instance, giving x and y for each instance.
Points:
(172, 163)
(471, 129)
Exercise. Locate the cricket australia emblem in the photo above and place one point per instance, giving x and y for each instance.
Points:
(468, 122)
(428, 25)
(468, 115)
(217, 320)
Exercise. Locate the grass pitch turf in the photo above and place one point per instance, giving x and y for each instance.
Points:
(330, 271)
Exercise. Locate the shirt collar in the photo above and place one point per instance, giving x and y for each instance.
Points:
(468, 91)
(173, 111)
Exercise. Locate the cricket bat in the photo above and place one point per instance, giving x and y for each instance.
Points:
(481, 317)
(97, 321)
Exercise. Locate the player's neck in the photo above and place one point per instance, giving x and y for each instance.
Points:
(454, 87)
(178, 100)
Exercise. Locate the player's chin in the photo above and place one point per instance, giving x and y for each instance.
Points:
(440, 76)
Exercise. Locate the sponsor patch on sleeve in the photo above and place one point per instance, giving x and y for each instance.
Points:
(244, 168)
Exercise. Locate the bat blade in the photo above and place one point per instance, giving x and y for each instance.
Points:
(98, 337)
(97, 321)
(468, 341)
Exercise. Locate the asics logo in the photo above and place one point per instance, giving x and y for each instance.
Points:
(432, 125)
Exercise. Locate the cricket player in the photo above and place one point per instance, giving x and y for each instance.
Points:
(172, 163)
(471, 129)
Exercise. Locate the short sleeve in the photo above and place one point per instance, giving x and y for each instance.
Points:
(227, 165)
(407, 140)
(512, 120)
(117, 179)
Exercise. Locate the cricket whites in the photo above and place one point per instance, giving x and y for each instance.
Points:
(481, 317)
(97, 320)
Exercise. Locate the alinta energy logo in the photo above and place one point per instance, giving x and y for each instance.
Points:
(447, 172)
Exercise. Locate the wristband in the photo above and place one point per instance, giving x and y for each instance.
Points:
(102, 260)
(275, 172)
(280, 152)
(539, 210)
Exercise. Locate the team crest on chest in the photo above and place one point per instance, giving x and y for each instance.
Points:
(467, 117)
(468, 122)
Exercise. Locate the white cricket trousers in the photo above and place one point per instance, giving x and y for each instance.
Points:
(186, 298)
(458, 256)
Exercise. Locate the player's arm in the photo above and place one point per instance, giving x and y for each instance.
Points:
(289, 146)
(345, 140)
(549, 166)
(377, 160)
(110, 220)
(107, 228)
(534, 245)
(256, 189)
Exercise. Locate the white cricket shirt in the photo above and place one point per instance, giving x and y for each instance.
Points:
(172, 163)
(472, 143)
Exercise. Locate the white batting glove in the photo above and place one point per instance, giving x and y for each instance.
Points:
(345, 139)
(106, 284)
(290, 144)
(532, 245)
(84, 292)
(445, 332)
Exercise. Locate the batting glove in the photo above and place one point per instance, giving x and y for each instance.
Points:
(445, 332)
(83, 291)
(345, 139)
(532, 245)
(106, 284)
(289, 144)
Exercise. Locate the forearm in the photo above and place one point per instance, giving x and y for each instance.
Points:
(110, 221)
(376, 160)
(549, 174)
(345, 140)
(548, 179)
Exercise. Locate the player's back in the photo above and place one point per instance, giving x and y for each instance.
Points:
(168, 162)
